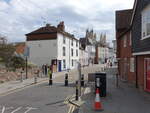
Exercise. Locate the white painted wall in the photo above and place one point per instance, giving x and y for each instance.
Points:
(91, 52)
(42, 51)
(103, 52)
(83, 57)
(68, 57)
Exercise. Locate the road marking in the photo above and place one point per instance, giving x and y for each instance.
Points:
(22, 88)
(3, 109)
(70, 109)
(73, 109)
(16, 110)
(67, 99)
(29, 109)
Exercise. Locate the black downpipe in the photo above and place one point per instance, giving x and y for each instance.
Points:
(136, 71)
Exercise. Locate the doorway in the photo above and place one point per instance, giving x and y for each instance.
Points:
(147, 74)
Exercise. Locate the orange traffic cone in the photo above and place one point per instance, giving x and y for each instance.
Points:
(98, 105)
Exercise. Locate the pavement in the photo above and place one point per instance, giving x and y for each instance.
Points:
(124, 99)
(13, 86)
(10, 87)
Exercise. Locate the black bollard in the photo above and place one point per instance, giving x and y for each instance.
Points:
(66, 79)
(77, 94)
(50, 80)
(82, 80)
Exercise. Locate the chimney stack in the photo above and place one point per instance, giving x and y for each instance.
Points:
(61, 26)
(48, 25)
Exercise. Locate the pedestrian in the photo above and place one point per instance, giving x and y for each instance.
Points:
(50, 75)
(45, 69)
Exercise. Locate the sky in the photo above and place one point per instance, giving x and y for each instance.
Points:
(19, 17)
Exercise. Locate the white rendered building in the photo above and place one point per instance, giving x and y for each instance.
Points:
(53, 46)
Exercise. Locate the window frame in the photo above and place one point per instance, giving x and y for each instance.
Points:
(132, 64)
(72, 52)
(145, 18)
(124, 41)
(72, 42)
(64, 51)
(72, 62)
(130, 39)
(77, 44)
(64, 40)
(77, 52)
(64, 63)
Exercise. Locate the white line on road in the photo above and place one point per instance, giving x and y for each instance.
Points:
(16, 110)
(8, 108)
(29, 109)
(3, 109)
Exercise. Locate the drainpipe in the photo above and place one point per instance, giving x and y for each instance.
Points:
(69, 53)
(136, 65)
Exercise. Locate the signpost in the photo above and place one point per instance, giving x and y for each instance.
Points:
(26, 54)
(79, 80)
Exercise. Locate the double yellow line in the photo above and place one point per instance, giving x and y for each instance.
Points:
(71, 107)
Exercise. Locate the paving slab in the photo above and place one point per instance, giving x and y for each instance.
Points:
(124, 99)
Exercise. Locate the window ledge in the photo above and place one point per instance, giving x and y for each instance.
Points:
(145, 37)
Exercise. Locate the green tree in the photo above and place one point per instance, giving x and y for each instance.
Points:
(17, 62)
(6, 53)
(6, 50)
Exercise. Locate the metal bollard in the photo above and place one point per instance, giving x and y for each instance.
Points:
(77, 92)
(66, 79)
(82, 80)
(35, 79)
(21, 77)
(50, 80)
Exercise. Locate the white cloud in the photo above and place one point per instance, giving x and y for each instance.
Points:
(19, 17)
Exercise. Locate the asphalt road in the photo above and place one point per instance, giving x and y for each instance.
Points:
(38, 99)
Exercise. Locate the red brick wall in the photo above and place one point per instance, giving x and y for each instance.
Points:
(125, 52)
(42, 37)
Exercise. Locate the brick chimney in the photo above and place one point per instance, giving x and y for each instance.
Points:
(61, 26)
(48, 25)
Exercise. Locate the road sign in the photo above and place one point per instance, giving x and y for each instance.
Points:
(26, 51)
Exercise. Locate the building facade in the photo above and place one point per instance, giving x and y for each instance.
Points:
(141, 42)
(133, 38)
(53, 46)
(89, 45)
(126, 61)
(83, 57)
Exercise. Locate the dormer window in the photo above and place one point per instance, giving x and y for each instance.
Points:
(146, 23)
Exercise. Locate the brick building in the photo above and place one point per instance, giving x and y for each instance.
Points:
(141, 42)
(124, 47)
(133, 42)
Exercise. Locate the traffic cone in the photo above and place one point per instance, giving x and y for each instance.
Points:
(98, 104)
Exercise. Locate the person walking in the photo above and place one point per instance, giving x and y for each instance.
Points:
(43, 69)
(46, 69)
(50, 76)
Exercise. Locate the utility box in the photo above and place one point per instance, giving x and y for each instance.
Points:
(100, 82)
(91, 77)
